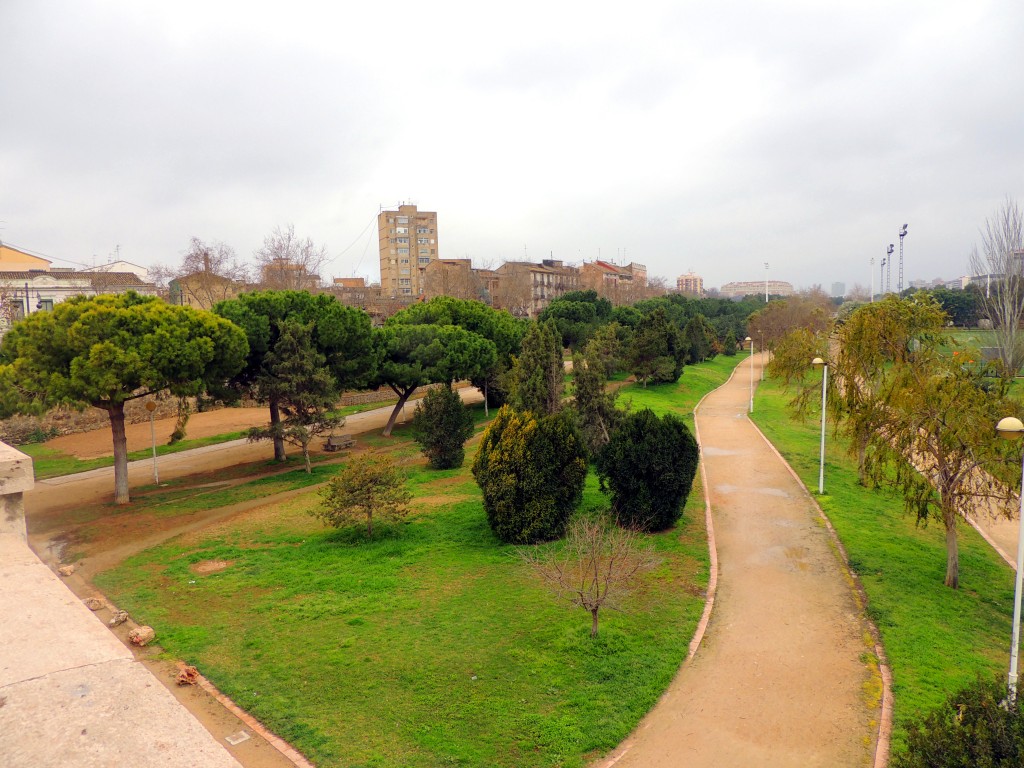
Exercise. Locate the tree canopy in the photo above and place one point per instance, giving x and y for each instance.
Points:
(105, 350)
(342, 335)
(410, 356)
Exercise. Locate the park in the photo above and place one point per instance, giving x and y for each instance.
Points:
(434, 625)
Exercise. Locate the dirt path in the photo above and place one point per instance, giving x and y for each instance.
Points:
(778, 679)
(92, 445)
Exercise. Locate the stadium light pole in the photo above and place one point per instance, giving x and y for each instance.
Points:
(903, 233)
(1012, 428)
(888, 270)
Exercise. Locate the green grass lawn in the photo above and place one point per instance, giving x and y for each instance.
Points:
(681, 397)
(430, 644)
(936, 638)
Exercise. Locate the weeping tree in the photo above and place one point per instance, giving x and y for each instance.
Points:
(919, 412)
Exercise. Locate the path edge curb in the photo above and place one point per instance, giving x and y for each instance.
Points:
(885, 718)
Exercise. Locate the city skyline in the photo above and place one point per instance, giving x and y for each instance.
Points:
(711, 138)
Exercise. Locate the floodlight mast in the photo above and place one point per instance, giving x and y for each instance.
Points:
(899, 285)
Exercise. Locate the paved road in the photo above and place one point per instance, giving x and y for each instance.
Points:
(778, 679)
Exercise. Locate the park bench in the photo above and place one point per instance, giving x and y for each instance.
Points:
(337, 442)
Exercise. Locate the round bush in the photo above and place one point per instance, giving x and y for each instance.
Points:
(531, 472)
(649, 465)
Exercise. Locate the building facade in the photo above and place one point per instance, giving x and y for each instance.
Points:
(525, 288)
(691, 284)
(408, 243)
(755, 288)
(620, 285)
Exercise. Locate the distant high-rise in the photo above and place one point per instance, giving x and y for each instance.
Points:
(408, 244)
(838, 290)
(690, 283)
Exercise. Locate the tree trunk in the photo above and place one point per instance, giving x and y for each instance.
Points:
(305, 456)
(116, 413)
(369, 524)
(275, 420)
(593, 623)
(403, 396)
(952, 556)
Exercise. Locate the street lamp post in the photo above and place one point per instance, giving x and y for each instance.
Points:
(760, 337)
(751, 373)
(766, 282)
(824, 385)
(1013, 428)
(151, 407)
(872, 271)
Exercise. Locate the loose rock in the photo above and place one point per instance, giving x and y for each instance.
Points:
(141, 635)
(94, 603)
(66, 570)
(119, 617)
(187, 675)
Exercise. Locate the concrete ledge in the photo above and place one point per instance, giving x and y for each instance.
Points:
(72, 694)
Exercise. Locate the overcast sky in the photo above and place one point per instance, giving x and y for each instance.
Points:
(713, 136)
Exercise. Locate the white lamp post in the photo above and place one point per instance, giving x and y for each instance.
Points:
(824, 384)
(751, 373)
(760, 337)
(766, 282)
(1013, 428)
(151, 407)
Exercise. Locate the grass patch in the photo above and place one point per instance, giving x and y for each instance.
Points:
(429, 644)
(937, 639)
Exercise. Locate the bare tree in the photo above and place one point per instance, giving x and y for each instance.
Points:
(288, 262)
(208, 273)
(597, 566)
(1002, 243)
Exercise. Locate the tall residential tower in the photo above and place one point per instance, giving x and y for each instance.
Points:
(408, 244)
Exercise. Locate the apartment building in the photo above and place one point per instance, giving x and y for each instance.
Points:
(408, 244)
(691, 284)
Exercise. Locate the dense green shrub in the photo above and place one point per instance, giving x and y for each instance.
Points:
(649, 465)
(973, 728)
(531, 472)
(729, 345)
(657, 352)
(442, 425)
